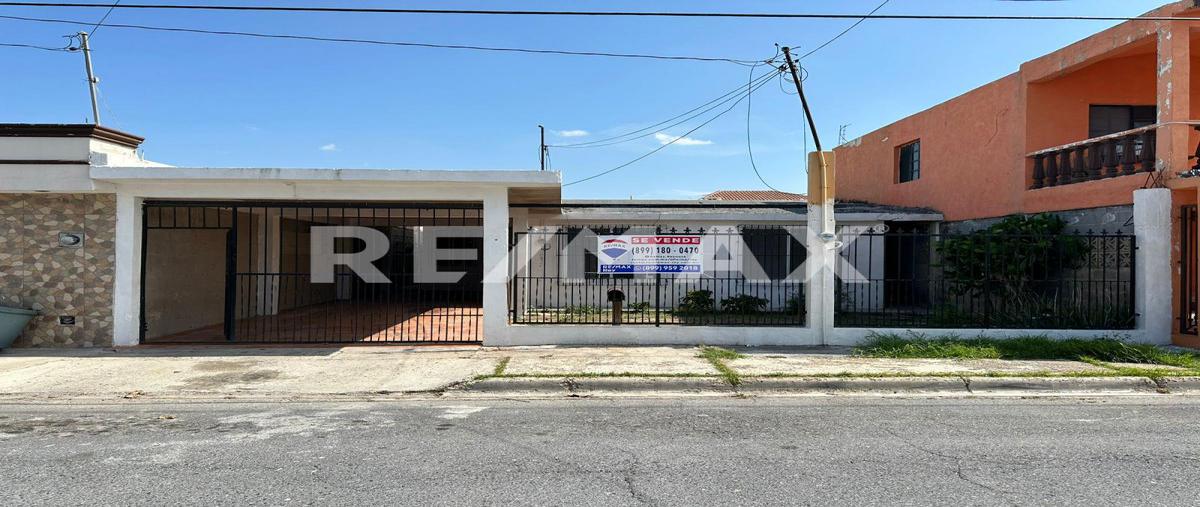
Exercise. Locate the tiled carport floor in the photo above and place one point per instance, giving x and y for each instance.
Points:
(347, 322)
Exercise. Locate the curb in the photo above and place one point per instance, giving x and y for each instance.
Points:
(586, 386)
(1181, 385)
(1062, 385)
(852, 385)
(807, 386)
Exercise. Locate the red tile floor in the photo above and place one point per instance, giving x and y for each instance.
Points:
(347, 322)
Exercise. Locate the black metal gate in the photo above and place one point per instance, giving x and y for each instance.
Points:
(271, 295)
(1187, 270)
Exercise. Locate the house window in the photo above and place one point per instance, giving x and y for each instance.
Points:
(777, 252)
(1105, 120)
(910, 162)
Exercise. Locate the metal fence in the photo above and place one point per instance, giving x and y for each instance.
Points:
(752, 276)
(261, 252)
(916, 279)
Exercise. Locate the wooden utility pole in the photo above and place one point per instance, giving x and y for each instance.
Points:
(823, 196)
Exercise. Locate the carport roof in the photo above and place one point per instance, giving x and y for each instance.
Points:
(504, 178)
(704, 210)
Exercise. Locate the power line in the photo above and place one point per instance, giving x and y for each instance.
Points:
(673, 141)
(104, 18)
(652, 129)
(668, 14)
(749, 149)
(33, 46)
(382, 42)
(847, 30)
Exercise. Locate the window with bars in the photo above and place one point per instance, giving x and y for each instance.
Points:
(909, 162)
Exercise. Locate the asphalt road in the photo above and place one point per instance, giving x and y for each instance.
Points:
(1106, 451)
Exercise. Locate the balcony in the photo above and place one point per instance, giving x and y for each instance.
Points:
(1119, 154)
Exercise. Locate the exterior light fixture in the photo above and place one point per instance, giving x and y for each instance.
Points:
(70, 239)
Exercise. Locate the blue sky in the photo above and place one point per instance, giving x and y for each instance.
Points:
(204, 100)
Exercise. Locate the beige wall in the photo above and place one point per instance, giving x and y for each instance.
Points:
(185, 280)
(37, 273)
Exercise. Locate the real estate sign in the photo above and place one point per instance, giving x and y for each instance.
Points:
(633, 253)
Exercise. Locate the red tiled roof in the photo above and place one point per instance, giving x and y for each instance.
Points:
(754, 195)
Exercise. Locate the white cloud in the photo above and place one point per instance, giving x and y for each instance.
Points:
(680, 140)
(572, 133)
(328, 147)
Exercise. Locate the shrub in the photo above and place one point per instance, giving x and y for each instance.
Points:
(640, 306)
(1008, 257)
(743, 304)
(794, 304)
(697, 301)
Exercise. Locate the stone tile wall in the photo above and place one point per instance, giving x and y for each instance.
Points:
(37, 273)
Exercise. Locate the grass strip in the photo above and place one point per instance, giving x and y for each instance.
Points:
(892, 345)
(716, 356)
(501, 366)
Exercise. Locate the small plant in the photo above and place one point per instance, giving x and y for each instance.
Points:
(582, 310)
(794, 305)
(642, 306)
(744, 304)
(697, 301)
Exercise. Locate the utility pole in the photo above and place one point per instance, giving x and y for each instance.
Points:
(91, 77)
(542, 148)
(821, 265)
(826, 188)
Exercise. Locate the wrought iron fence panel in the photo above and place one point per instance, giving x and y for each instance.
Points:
(907, 279)
(752, 276)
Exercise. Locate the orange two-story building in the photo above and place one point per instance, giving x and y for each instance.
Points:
(1074, 132)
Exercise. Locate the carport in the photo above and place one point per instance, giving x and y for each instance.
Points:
(227, 255)
(242, 271)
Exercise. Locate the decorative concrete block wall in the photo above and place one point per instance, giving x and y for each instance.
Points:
(36, 272)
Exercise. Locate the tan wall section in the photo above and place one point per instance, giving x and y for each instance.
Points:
(974, 147)
(970, 147)
(185, 280)
(37, 273)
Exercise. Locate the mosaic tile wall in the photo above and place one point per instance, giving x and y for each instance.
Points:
(37, 273)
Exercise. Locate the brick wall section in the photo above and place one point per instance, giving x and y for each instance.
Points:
(37, 273)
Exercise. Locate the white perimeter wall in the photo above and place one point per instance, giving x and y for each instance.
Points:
(1153, 273)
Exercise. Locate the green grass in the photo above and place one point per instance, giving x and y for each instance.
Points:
(1102, 350)
(719, 353)
(717, 356)
(501, 366)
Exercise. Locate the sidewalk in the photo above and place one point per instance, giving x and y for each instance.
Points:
(282, 374)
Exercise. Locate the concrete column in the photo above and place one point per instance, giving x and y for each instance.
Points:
(495, 265)
(822, 251)
(1174, 97)
(819, 271)
(1152, 276)
(127, 281)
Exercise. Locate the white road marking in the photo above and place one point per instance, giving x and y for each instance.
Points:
(459, 412)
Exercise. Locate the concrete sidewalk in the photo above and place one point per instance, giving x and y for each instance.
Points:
(357, 372)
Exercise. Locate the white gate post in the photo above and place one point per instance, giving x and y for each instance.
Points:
(127, 281)
(495, 266)
(1152, 276)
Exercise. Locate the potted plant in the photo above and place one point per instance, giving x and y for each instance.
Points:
(12, 321)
